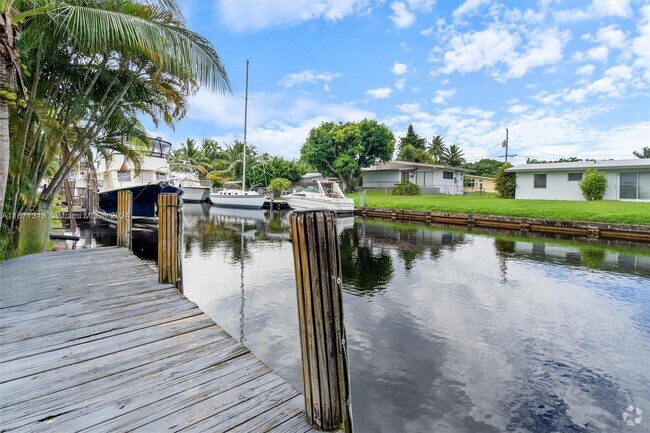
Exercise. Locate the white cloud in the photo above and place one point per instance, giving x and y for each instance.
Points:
(427, 31)
(621, 72)
(399, 68)
(469, 7)
(516, 109)
(544, 48)
(402, 17)
(469, 52)
(307, 76)
(399, 84)
(585, 70)
(599, 54)
(597, 9)
(246, 15)
(612, 36)
(441, 96)
(409, 108)
(641, 44)
(379, 93)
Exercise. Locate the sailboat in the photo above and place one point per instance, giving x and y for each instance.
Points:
(235, 197)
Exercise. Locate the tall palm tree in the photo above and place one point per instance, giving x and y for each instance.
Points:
(453, 156)
(645, 153)
(152, 32)
(437, 148)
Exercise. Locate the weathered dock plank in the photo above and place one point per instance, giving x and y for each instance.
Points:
(89, 340)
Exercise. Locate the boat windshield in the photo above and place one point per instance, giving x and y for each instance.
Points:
(311, 189)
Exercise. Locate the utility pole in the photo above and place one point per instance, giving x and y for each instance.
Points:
(505, 144)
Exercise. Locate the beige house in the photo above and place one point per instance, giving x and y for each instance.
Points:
(475, 183)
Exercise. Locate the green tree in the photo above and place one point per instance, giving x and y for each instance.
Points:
(645, 153)
(414, 154)
(94, 64)
(453, 156)
(342, 149)
(593, 185)
(505, 183)
(275, 167)
(437, 148)
(412, 139)
(279, 185)
(189, 152)
(485, 167)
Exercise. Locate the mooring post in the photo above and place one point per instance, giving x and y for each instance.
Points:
(320, 316)
(32, 233)
(124, 219)
(169, 263)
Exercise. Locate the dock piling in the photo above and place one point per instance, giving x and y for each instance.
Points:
(320, 316)
(169, 256)
(124, 219)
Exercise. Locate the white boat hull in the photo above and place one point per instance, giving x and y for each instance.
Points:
(193, 194)
(248, 200)
(339, 205)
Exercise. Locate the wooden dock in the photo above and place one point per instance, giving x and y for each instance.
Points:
(89, 340)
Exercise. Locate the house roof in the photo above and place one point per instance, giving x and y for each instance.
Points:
(408, 166)
(479, 177)
(584, 165)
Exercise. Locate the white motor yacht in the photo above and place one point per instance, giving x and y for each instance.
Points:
(319, 197)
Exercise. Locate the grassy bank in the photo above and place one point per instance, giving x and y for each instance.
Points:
(599, 211)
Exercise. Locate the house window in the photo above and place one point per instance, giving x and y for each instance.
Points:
(447, 174)
(635, 186)
(539, 181)
(124, 176)
(472, 183)
(574, 177)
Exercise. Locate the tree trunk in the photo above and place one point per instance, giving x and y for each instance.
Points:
(4, 131)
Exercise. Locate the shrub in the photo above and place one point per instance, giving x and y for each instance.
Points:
(505, 183)
(593, 185)
(406, 188)
(280, 184)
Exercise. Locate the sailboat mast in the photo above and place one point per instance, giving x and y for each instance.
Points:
(243, 180)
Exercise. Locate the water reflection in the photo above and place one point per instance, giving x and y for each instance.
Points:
(447, 331)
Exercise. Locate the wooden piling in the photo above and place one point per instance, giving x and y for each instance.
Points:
(169, 258)
(320, 315)
(124, 219)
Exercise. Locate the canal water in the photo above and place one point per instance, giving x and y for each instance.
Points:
(447, 331)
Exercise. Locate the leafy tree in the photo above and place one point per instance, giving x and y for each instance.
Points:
(278, 185)
(138, 42)
(645, 153)
(453, 156)
(485, 167)
(505, 183)
(275, 167)
(593, 185)
(414, 154)
(437, 148)
(412, 139)
(342, 149)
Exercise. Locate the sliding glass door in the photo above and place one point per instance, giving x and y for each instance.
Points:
(635, 186)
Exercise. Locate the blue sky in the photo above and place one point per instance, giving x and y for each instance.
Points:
(568, 78)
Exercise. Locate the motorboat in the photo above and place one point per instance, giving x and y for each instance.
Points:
(318, 197)
(145, 203)
(184, 177)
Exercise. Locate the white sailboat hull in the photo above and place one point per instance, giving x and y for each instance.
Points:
(240, 199)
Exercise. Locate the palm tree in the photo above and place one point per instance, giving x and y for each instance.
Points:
(129, 38)
(453, 156)
(437, 148)
(645, 153)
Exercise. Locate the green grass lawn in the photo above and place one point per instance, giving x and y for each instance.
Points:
(597, 211)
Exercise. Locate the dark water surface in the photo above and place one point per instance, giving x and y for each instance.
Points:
(448, 331)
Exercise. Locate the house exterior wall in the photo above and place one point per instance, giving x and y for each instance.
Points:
(429, 181)
(488, 184)
(380, 179)
(558, 187)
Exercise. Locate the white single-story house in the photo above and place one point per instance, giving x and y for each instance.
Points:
(312, 178)
(627, 179)
(431, 178)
